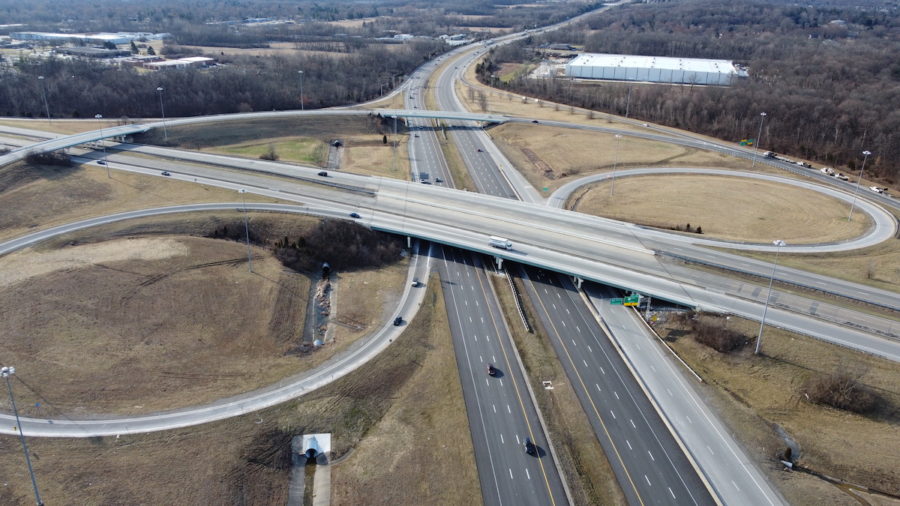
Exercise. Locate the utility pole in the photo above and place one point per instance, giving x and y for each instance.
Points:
(44, 96)
(99, 117)
(247, 230)
(300, 73)
(162, 110)
(856, 192)
(778, 244)
(6, 372)
(612, 186)
(762, 117)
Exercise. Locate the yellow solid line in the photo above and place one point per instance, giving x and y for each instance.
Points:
(479, 272)
(587, 392)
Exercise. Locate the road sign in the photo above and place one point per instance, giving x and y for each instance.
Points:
(617, 301)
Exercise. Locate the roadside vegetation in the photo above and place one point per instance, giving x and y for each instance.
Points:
(828, 65)
(837, 409)
(347, 51)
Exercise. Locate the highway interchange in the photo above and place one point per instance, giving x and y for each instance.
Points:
(651, 469)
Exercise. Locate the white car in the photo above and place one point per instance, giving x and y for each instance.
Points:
(842, 177)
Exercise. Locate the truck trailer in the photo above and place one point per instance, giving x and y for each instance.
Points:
(500, 242)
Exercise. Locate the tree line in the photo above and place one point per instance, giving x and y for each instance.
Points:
(827, 77)
(192, 22)
(83, 88)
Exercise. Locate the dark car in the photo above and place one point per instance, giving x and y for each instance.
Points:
(480, 150)
(398, 321)
(166, 173)
(323, 173)
(101, 162)
(354, 215)
(535, 121)
(492, 371)
(438, 180)
(530, 449)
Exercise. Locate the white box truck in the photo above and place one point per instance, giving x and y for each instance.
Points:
(500, 242)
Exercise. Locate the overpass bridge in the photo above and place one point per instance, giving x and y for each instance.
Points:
(122, 131)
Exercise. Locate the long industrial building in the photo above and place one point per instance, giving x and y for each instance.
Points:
(655, 69)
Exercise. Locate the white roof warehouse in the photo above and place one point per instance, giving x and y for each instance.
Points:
(657, 69)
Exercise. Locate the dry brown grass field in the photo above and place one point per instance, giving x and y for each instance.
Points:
(737, 209)
(367, 154)
(423, 435)
(757, 394)
(161, 296)
(139, 325)
(274, 49)
(877, 265)
(324, 128)
(551, 156)
(60, 126)
(402, 396)
(41, 196)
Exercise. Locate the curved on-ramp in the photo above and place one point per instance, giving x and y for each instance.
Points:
(287, 389)
(884, 224)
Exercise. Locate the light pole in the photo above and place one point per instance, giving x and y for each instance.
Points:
(247, 230)
(778, 244)
(44, 97)
(856, 192)
(300, 73)
(612, 186)
(162, 110)
(6, 372)
(762, 117)
(99, 117)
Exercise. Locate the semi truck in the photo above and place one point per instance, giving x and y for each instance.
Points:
(500, 242)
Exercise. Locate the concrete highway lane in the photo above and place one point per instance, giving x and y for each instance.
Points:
(500, 409)
(728, 468)
(649, 464)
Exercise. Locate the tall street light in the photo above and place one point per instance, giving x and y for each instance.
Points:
(762, 117)
(44, 97)
(247, 230)
(856, 192)
(162, 110)
(779, 243)
(6, 372)
(300, 73)
(99, 117)
(612, 186)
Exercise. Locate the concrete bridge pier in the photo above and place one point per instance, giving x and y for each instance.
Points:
(499, 262)
(577, 281)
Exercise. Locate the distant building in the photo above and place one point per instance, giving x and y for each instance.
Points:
(457, 39)
(181, 63)
(139, 60)
(88, 38)
(656, 69)
(93, 52)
